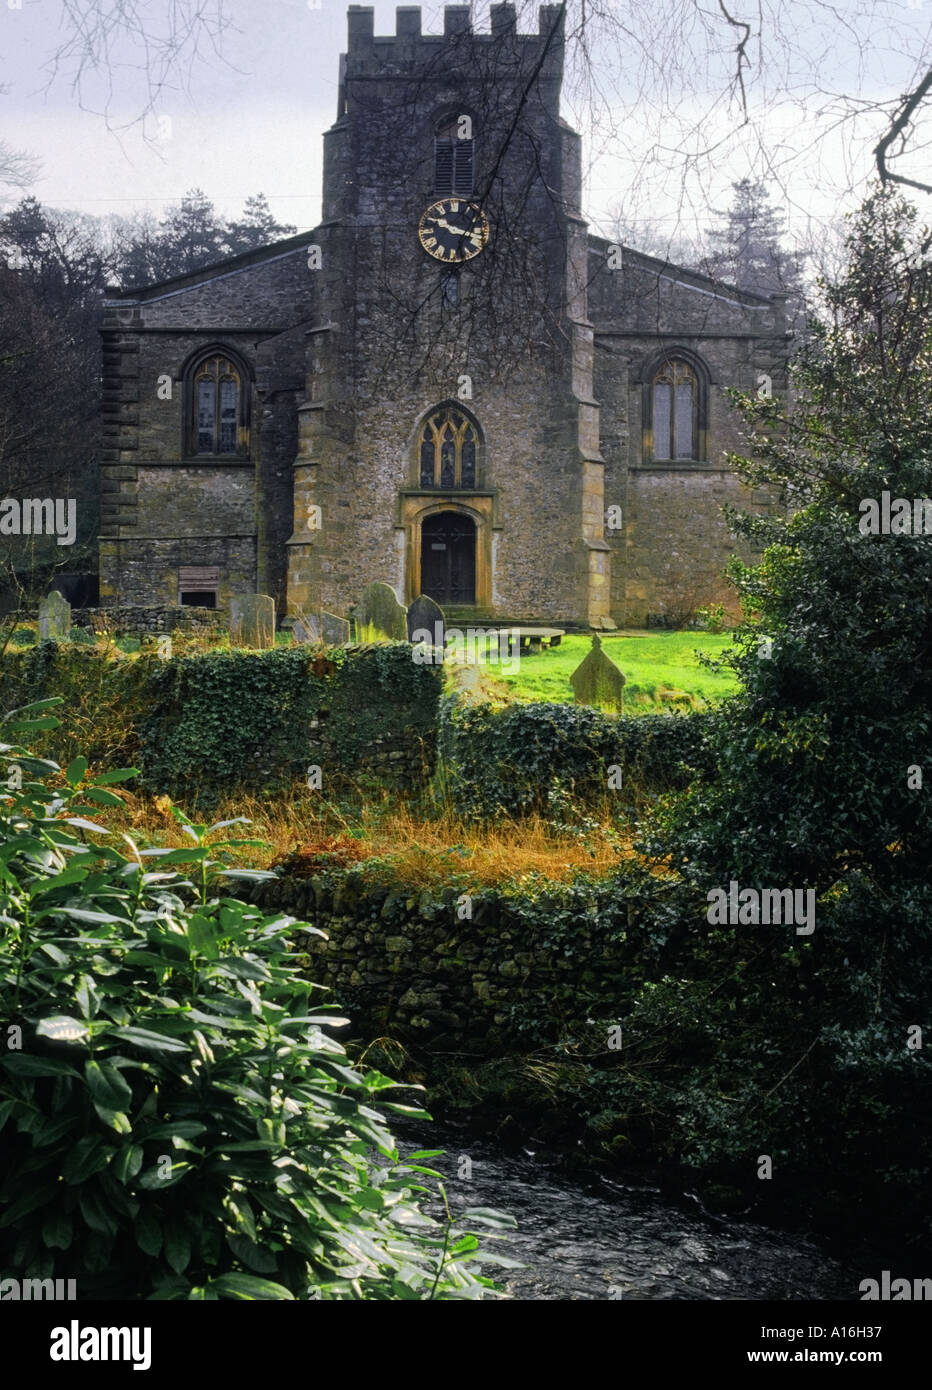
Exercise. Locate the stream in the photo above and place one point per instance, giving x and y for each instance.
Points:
(588, 1236)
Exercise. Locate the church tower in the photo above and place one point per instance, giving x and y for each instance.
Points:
(448, 440)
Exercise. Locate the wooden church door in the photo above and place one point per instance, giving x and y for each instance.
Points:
(448, 558)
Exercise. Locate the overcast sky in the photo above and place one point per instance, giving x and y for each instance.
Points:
(253, 119)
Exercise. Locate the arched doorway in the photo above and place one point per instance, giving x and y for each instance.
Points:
(448, 558)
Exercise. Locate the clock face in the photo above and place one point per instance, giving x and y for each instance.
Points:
(453, 230)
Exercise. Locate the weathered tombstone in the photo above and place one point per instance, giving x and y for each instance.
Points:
(597, 680)
(425, 616)
(333, 630)
(307, 629)
(252, 621)
(379, 616)
(54, 618)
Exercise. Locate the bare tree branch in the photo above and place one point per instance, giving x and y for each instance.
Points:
(898, 128)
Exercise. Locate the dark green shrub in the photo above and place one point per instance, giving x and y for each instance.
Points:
(176, 1120)
(514, 760)
(256, 720)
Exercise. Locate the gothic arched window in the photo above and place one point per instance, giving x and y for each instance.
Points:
(453, 158)
(448, 450)
(675, 410)
(217, 406)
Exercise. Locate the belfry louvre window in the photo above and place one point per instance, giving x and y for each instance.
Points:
(218, 425)
(448, 448)
(453, 162)
(675, 411)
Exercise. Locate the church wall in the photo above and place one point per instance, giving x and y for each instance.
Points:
(379, 379)
(668, 556)
(162, 511)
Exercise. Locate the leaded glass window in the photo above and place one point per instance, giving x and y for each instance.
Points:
(218, 406)
(448, 448)
(675, 405)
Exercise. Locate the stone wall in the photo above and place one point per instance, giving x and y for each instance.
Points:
(138, 620)
(412, 967)
(163, 510)
(668, 558)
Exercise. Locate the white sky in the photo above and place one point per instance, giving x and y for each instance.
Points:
(254, 121)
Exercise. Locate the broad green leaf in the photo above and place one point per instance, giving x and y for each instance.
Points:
(74, 772)
(21, 1064)
(107, 1085)
(148, 1231)
(101, 797)
(61, 1028)
(177, 1246)
(255, 1256)
(154, 1042)
(487, 1216)
(247, 1286)
(88, 1156)
(57, 1230)
(109, 779)
(127, 1162)
(80, 824)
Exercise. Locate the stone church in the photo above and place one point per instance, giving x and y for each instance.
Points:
(449, 385)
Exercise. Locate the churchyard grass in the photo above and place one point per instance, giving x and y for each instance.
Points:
(653, 663)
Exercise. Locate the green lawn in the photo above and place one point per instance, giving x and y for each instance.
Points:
(653, 662)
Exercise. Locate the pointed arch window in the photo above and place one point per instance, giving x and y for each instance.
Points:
(217, 407)
(454, 150)
(448, 450)
(675, 406)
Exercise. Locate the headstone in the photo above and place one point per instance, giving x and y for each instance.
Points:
(333, 630)
(252, 621)
(54, 617)
(425, 616)
(597, 680)
(379, 616)
(307, 629)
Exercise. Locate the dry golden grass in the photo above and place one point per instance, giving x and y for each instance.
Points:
(410, 848)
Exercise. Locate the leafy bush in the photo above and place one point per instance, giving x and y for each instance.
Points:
(229, 720)
(200, 726)
(176, 1120)
(516, 760)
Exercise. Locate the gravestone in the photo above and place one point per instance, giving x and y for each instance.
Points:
(597, 680)
(252, 621)
(425, 616)
(379, 616)
(321, 627)
(333, 630)
(54, 618)
(307, 629)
